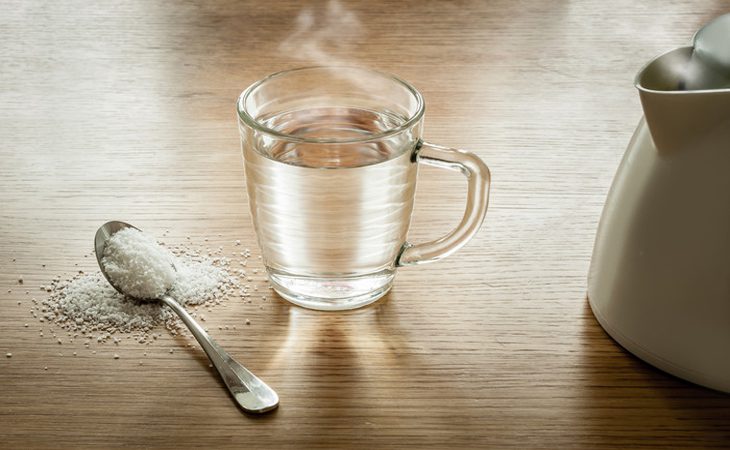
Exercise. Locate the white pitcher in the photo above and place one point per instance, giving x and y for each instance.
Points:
(659, 281)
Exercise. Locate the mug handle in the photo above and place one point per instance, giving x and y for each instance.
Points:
(479, 178)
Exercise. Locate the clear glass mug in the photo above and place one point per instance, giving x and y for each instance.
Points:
(331, 158)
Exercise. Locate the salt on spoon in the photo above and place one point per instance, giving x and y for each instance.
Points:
(136, 266)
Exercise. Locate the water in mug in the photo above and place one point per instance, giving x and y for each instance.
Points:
(331, 218)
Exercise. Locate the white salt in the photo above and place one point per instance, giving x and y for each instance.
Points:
(197, 278)
(138, 265)
(89, 304)
(91, 299)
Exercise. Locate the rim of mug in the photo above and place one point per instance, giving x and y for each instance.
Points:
(249, 120)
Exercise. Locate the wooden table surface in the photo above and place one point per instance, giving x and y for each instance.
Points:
(125, 110)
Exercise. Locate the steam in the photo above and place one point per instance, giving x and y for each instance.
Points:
(324, 39)
(329, 36)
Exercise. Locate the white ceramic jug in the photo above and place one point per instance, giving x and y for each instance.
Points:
(659, 281)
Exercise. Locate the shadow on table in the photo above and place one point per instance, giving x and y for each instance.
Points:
(629, 400)
(342, 343)
(348, 359)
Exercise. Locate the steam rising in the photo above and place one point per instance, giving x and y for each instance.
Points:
(323, 39)
(330, 36)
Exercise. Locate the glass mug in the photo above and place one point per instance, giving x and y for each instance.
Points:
(331, 157)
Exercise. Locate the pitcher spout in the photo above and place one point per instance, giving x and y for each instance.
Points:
(684, 100)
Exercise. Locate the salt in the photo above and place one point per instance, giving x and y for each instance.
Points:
(138, 265)
(87, 304)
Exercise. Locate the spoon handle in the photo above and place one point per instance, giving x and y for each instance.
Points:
(250, 392)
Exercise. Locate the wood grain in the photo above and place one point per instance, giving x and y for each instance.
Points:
(125, 110)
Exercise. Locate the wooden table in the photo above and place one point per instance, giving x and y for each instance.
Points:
(126, 110)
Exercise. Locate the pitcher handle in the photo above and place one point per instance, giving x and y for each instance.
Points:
(479, 179)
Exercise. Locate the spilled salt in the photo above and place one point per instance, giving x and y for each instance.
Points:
(88, 305)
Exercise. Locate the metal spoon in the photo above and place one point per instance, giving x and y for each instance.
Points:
(251, 394)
